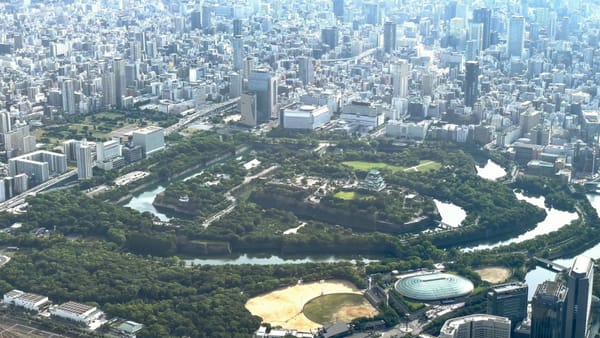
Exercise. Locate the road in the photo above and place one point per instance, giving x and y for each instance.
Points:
(20, 199)
(198, 114)
(4, 260)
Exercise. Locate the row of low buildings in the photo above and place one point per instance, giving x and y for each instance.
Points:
(81, 314)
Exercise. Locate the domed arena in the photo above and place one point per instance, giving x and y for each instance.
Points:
(434, 287)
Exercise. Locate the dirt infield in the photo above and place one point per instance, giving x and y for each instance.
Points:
(493, 275)
(283, 307)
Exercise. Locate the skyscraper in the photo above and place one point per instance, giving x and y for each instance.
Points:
(484, 16)
(264, 85)
(371, 12)
(548, 310)
(237, 27)
(84, 161)
(196, 19)
(119, 82)
(516, 36)
(400, 74)
(5, 123)
(579, 299)
(389, 37)
(206, 17)
(508, 300)
(238, 53)
(471, 82)
(68, 96)
(330, 37)
(305, 70)
(338, 8)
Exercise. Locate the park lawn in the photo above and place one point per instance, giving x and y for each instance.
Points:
(345, 195)
(423, 166)
(366, 166)
(322, 309)
(427, 166)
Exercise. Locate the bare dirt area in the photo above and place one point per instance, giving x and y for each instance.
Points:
(493, 275)
(284, 307)
(347, 313)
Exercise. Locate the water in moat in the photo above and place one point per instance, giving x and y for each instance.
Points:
(490, 171)
(142, 202)
(451, 214)
(539, 274)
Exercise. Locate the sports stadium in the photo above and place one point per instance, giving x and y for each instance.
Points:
(434, 286)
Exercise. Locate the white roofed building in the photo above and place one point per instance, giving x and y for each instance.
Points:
(28, 301)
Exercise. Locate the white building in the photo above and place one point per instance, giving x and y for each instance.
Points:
(39, 165)
(107, 153)
(475, 326)
(363, 114)
(151, 139)
(410, 130)
(306, 117)
(77, 312)
(29, 301)
(84, 161)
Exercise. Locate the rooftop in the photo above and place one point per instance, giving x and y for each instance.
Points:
(76, 308)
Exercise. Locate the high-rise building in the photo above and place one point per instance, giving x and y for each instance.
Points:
(476, 326)
(238, 53)
(264, 85)
(516, 36)
(248, 110)
(371, 12)
(235, 85)
(508, 300)
(548, 308)
(119, 81)
(84, 160)
(475, 34)
(579, 298)
(306, 71)
(196, 19)
(484, 17)
(400, 73)
(389, 37)
(5, 122)
(237, 27)
(206, 17)
(68, 96)
(330, 37)
(471, 82)
(338, 8)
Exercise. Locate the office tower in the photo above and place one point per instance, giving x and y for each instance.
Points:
(248, 66)
(548, 310)
(484, 17)
(579, 298)
(196, 19)
(108, 90)
(248, 110)
(237, 27)
(5, 123)
(450, 10)
(475, 34)
(330, 37)
(400, 72)
(563, 31)
(471, 83)
(235, 85)
(508, 300)
(119, 81)
(389, 37)
(338, 8)
(238, 53)
(84, 160)
(264, 85)
(206, 17)
(476, 326)
(305, 70)
(516, 36)
(371, 12)
(68, 97)
(151, 139)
